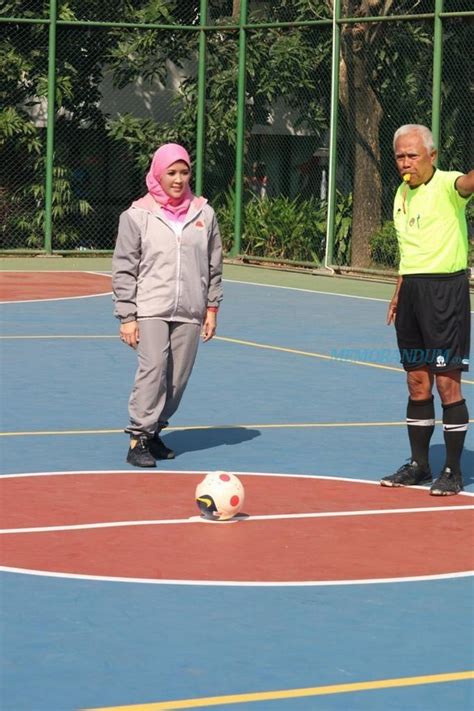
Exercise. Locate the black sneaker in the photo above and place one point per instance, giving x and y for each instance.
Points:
(447, 484)
(159, 450)
(410, 474)
(139, 453)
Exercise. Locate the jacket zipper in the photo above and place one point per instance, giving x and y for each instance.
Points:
(178, 232)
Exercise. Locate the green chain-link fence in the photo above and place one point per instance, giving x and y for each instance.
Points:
(288, 108)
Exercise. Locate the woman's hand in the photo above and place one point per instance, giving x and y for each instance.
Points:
(129, 333)
(209, 326)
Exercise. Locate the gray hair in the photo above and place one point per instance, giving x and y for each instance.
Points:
(424, 133)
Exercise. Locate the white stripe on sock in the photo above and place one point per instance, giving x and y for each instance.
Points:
(456, 428)
(420, 423)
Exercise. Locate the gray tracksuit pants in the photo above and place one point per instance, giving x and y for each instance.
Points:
(166, 354)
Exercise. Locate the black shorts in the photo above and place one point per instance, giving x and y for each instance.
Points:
(433, 322)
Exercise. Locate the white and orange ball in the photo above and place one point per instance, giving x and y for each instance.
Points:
(220, 496)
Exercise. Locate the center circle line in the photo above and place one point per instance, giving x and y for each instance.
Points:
(249, 518)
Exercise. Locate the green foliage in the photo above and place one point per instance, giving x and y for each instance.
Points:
(23, 91)
(281, 228)
(342, 229)
(14, 124)
(384, 247)
(278, 228)
(24, 212)
(142, 136)
(275, 56)
(456, 111)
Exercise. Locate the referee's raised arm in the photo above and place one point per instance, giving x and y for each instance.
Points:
(465, 184)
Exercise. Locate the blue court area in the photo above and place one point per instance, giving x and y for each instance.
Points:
(298, 381)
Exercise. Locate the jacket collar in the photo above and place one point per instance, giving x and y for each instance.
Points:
(150, 205)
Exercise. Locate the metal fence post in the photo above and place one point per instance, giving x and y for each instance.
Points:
(240, 138)
(437, 73)
(201, 107)
(331, 215)
(48, 192)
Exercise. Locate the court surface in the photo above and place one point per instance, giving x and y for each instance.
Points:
(331, 592)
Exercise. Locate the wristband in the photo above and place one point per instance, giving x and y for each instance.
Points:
(214, 309)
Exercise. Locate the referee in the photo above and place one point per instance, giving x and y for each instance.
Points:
(431, 305)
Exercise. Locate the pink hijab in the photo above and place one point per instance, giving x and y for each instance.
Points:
(175, 208)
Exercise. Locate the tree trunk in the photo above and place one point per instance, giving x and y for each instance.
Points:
(364, 114)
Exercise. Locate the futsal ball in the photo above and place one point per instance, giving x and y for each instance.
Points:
(220, 496)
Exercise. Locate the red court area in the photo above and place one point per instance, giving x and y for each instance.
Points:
(28, 286)
(159, 535)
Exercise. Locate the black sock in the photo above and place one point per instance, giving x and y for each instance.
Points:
(420, 423)
(455, 423)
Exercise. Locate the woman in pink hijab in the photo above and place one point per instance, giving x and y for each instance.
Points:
(168, 182)
(167, 284)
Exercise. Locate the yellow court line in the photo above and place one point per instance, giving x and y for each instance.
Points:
(296, 425)
(310, 354)
(322, 356)
(238, 341)
(293, 693)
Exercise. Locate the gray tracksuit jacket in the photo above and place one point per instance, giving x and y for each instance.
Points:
(166, 270)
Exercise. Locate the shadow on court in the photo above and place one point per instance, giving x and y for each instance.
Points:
(437, 459)
(208, 438)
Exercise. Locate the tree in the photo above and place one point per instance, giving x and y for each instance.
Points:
(385, 80)
(275, 57)
(377, 59)
(24, 69)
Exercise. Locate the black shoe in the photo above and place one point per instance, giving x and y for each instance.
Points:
(159, 450)
(410, 474)
(447, 484)
(139, 453)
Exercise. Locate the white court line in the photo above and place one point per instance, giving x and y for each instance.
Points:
(186, 472)
(51, 271)
(57, 298)
(308, 291)
(267, 517)
(311, 291)
(238, 583)
(232, 281)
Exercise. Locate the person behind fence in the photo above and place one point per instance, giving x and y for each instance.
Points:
(431, 305)
(167, 286)
(258, 181)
